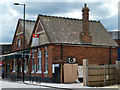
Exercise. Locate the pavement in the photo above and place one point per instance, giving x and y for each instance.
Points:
(59, 85)
(63, 86)
(67, 86)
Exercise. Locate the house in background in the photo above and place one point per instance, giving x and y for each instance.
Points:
(58, 40)
(4, 49)
(116, 37)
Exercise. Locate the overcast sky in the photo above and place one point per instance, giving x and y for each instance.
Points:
(106, 12)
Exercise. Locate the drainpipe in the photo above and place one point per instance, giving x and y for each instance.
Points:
(110, 54)
(61, 75)
(61, 51)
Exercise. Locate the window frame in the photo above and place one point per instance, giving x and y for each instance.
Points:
(46, 60)
(33, 62)
(14, 65)
(39, 62)
(25, 66)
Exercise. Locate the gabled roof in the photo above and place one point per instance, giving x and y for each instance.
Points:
(67, 30)
(29, 25)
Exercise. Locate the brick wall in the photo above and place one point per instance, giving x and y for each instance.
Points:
(99, 55)
(93, 54)
(14, 46)
(42, 49)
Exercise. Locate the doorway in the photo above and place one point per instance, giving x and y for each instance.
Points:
(8, 70)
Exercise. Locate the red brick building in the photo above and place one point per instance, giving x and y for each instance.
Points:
(14, 59)
(59, 39)
(63, 38)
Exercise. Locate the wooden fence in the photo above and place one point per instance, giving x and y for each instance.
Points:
(98, 75)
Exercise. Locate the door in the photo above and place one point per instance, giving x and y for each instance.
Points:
(56, 75)
(8, 70)
(18, 69)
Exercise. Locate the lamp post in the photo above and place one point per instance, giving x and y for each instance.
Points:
(118, 45)
(23, 39)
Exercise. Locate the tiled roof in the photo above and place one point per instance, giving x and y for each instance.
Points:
(67, 30)
(29, 25)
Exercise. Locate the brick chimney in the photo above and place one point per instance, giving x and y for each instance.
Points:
(85, 34)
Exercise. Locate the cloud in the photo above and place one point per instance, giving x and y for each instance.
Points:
(102, 10)
(106, 12)
(9, 18)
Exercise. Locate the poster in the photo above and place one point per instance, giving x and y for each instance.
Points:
(35, 39)
(80, 71)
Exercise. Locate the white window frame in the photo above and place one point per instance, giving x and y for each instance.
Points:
(39, 62)
(13, 65)
(46, 60)
(25, 66)
(21, 68)
(33, 58)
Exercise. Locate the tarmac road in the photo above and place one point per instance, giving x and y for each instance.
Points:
(8, 85)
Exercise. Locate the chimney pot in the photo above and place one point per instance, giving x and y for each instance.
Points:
(85, 5)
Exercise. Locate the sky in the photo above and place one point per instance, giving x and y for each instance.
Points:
(105, 11)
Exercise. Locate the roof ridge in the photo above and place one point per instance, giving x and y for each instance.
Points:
(66, 18)
(59, 17)
(27, 20)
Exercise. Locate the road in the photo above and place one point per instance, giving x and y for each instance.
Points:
(7, 85)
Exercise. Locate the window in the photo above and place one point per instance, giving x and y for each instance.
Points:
(13, 65)
(46, 60)
(25, 65)
(33, 67)
(39, 62)
(21, 68)
(19, 43)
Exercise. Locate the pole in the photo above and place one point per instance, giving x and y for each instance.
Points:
(23, 44)
(23, 58)
(118, 37)
(118, 46)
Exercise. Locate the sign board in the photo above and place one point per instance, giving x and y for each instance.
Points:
(35, 39)
(53, 67)
(80, 71)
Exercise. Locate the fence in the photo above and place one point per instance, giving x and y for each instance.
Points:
(98, 75)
